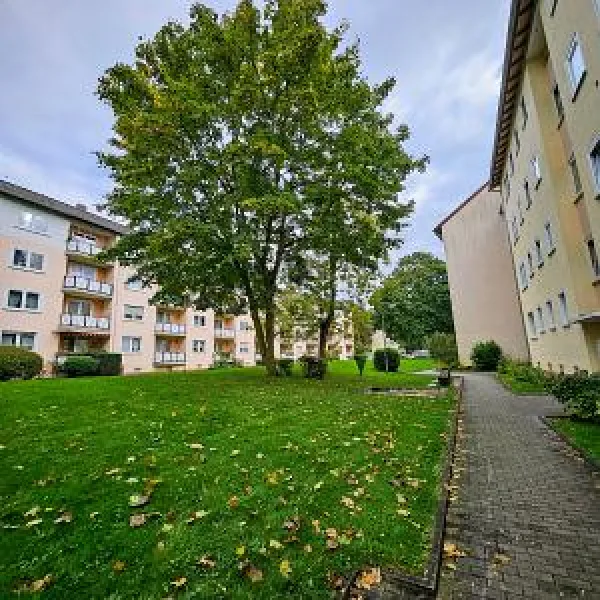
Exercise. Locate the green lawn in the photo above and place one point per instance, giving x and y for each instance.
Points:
(521, 387)
(583, 435)
(257, 476)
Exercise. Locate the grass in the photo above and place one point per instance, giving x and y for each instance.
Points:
(273, 469)
(584, 435)
(520, 387)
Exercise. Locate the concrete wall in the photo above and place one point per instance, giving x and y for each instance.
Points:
(482, 283)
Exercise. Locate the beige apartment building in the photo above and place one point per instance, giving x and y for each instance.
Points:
(57, 298)
(546, 166)
(483, 288)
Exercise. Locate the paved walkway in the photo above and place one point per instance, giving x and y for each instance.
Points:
(527, 512)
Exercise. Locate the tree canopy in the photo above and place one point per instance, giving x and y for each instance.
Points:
(414, 302)
(241, 144)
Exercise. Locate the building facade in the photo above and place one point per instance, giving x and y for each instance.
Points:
(483, 289)
(56, 298)
(546, 165)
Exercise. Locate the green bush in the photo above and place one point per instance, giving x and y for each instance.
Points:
(391, 364)
(285, 366)
(109, 363)
(580, 393)
(313, 367)
(19, 363)
(79, 366)
(361, 361)
(486, 356)
(523, 372)
(442, 347)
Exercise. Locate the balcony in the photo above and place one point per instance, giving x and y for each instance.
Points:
(84, 250)
(170, 329)
(79, 323)
(169, 358)
(224, 333)
(87, 287)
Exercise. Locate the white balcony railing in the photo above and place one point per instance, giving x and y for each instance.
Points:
(80, 321)
(76, 282)
(170, 328)
(82, 247)
(169, 358)
(224, 333)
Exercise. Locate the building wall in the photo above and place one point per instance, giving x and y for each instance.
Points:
(574, 216)
(482, 283)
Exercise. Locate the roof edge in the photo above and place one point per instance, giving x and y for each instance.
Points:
(438, 229)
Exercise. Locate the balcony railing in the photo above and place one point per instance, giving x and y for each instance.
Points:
(172, 328)
(169, 358)
(82, 247)
(81, 322)
(76, 282)
(224, 333)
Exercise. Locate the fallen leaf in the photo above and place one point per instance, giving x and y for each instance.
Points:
(403, 512)
(368, 578)
(207, 562)
(196, 446)
(32, 512)
(452, 551)
(195, 516)
(118, 566)
(138, 501)
(240, 550)
(137, 520)
(335, 581)
(275, 544)
(41, 584)
(308, 548)
(252, 573)
(179, 582)
(233, 502)
(272, 478)
(33, 523)
(285, 568)
(501, 559)
(318, 485)
(347, 502)
(65, 517)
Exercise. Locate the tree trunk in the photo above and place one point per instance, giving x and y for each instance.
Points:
(325, 324)
(265, 338)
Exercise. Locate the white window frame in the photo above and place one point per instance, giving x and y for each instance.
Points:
(520, 210)
(24, 294)
(199, 321)
(244, 348)
(244, 326)
(523, 276)
(129, 347)
(575, 175)
(28, 256)
(576, 80)
(552, 7)
(524, 112)
(549, 238)
(134, 315)
(536, 169)
(515, 229)
(595, 163)
(563, 308)
(532, 324)
(134, 285)
(199, 346)
(539, 253)
(517, 142)
(18, 338)
(540, 318)
(551, 317)
(527, 194)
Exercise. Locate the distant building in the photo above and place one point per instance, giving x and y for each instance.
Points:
(380, 340)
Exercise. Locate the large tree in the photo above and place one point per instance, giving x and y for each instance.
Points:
(414, 302)
(239, 143)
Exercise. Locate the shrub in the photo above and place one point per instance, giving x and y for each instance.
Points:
(442, 347)
(486, 356)
(523, 373)
(387, 359)
(580, 393)
(361, 361)
(19, 363)
(285, 366)
(109, 363)
(313, 367)
(79, 366)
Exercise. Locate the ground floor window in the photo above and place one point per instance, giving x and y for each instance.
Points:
(131, 344)
(244, 348)
(18, 338)
(199, 346)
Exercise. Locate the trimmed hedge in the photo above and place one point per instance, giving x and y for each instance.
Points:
(285, 366)
(313, 367)
(391, 364)
(486, 356)
(107, 364)
(19, 363)
(80, 366)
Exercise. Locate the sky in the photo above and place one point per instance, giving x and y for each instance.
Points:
(445, 55)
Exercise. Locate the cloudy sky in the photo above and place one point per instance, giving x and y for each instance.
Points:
(446, 57)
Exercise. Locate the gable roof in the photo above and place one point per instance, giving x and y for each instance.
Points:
(519, 29)
(61, 208)
(438, 229)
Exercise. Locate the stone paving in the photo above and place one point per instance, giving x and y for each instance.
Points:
(527, 508)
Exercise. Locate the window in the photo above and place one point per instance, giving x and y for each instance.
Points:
(575, 175)
(527, 194)
(515, 228)
(549, 238)
(244, 348)
(523, 276)
(558, 104)
(524, 113)
(552, 6)
(563, 308)
(80, 308)
(595, 163)
(28, 260)
(531, 322)
(593, 257)
(17, 338)
(244, 326)
(131, 344)
(85, 271)
(575, 63)
(511, 164)
(199, 321)
(520, 210)
(540, 319)
(530, 264)
(517, 142)
(506, 186)
(199, 346)
(161, 317)
(536, 170)
(550, 312)
(32, 222)
(134, 285)
(134, 313)
(538, 253)
(23, 300)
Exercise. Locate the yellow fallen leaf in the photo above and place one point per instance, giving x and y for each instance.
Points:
(138, 501)
(452, 551)
(240, 550)
(33, 523)
(137, 520)
(32, 512)
(233, 502)
(285, 568)
(179, 582)
(368, 578)
(403, 512)
(65, 517)
(253, 574)
(275, 544)
(41, 584)
(118, 566)
(207, 561)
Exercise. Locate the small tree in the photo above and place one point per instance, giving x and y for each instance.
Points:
(442, 347)
(361, 361)
(486, 356)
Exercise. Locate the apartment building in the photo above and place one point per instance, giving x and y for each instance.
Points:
(546, 166)
(57, 298)
(483, 288)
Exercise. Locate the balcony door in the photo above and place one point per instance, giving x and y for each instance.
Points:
(80, 270)
(80, 308)
(162, 345)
